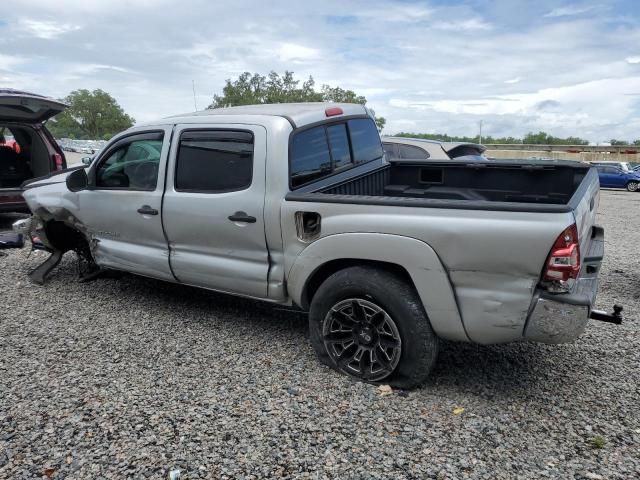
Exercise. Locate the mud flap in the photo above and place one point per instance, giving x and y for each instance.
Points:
(39, 274)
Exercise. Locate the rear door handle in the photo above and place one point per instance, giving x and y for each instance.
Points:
(147, 210)
(242, 217)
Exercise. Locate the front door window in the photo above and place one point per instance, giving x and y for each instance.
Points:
(132, 164)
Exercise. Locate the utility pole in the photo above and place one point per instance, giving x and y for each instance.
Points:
(193, 84)
(480, 134)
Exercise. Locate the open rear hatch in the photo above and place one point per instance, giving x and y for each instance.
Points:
(17, 106)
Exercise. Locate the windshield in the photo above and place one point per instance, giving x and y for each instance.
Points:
(626, 167)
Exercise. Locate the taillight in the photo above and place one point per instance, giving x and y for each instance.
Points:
(563, 263)
(57, 160)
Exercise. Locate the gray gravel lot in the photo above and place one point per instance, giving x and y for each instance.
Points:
(129, 377)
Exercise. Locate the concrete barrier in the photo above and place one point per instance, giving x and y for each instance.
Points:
(571, 153)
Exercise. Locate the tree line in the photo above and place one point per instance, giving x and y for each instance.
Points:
(531, 138)
(97, 115)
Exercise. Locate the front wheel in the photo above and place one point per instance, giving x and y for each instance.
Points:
(370, 324)
(632, 186)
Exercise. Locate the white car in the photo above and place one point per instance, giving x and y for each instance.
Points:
(405, 148)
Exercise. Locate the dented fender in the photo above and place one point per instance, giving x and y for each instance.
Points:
(53, 201)
(416, 257)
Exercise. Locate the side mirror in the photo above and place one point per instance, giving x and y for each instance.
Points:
(77, 180)
(87, 160)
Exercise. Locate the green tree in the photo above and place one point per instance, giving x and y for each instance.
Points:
(443, 137)
(251, 89)
(543, 138)
(90, 115)
(618, 142)
(636, 142)
(540, 138)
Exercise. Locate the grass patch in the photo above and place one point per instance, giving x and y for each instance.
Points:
(598, 442)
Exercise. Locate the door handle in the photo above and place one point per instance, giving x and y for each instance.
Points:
(242, 217)
(147, 210)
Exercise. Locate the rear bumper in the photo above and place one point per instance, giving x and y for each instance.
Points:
(563, 317)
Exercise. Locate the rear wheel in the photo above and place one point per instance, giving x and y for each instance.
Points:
(632, 186)
(370, 324)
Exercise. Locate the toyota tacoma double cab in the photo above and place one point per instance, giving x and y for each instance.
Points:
(296, 204)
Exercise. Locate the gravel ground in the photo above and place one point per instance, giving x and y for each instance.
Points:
(129, 378)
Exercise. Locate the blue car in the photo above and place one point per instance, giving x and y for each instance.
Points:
(618, 175)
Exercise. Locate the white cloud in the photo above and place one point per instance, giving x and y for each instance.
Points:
(513, 80)
(550, 108)
(395, 12)
(471, 24)
(72, 7)
(568, 11)
(46, 29)
(428, 66)
(292, 52)
(9, 62)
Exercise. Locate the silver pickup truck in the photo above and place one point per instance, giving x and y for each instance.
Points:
(296, 204)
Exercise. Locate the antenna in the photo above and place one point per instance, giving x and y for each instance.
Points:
(193, 85)
(480, 133)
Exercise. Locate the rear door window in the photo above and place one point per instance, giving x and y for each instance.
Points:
(211, 161)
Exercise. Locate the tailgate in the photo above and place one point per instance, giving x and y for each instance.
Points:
(585, 208)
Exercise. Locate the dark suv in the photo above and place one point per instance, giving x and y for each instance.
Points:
(27, 148)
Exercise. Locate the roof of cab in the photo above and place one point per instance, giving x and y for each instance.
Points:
(298, 114)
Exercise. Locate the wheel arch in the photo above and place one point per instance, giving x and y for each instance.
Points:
(327, 269)
(410, 258)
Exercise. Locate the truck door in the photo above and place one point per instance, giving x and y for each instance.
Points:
(213, 208)
(121, 207)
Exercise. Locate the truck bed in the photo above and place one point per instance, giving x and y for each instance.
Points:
(541, 186)
(500, 223)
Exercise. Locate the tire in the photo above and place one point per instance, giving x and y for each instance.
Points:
(394, 330)
(632, 186)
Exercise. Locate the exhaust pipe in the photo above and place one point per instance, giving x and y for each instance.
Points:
(615, 317)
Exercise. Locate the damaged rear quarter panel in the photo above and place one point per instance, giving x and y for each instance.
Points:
(493, 259)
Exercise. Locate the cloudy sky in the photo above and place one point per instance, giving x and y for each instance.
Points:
(566, 67)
